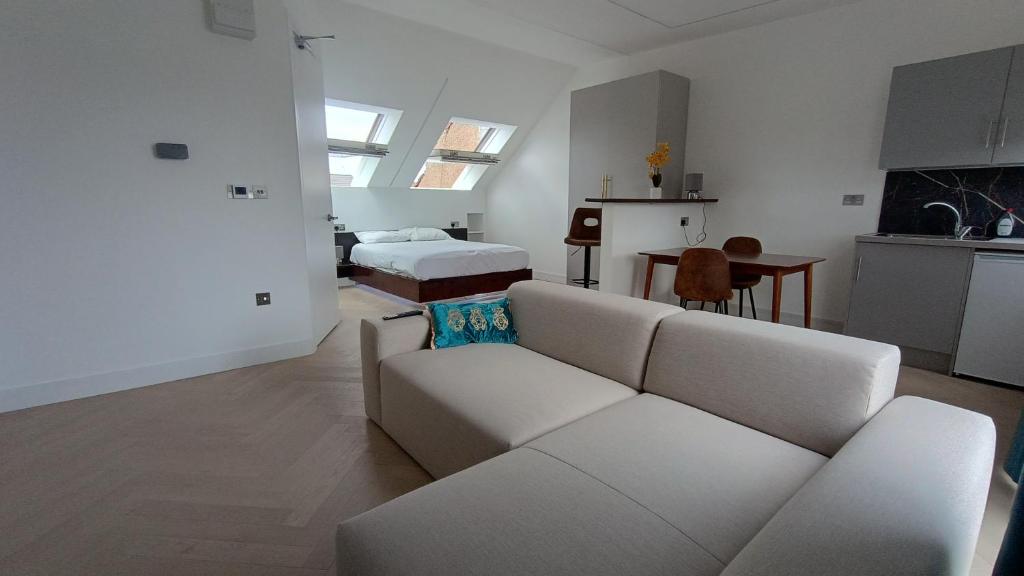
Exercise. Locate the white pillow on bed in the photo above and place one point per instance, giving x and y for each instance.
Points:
(421, 234)
(383, 236)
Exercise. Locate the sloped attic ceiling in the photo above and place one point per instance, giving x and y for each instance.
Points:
(431, 75)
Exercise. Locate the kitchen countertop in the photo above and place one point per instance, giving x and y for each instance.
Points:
(653, 200)
(997, 244)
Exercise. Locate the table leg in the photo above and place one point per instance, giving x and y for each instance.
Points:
(649, 279)
(776, 296)
(808, 286)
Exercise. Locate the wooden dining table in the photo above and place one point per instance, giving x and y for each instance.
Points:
(774, 265)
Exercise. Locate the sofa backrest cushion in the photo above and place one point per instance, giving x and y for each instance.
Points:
(602, 333)
(811, 388)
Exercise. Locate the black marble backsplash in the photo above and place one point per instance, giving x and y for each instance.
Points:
(907, 192)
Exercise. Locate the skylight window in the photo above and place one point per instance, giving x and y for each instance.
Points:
(462, 154)
(357, 139)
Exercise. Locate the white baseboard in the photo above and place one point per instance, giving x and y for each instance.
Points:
(791, 319)
(549, 277)
(72, 388)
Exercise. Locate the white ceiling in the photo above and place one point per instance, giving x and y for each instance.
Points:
(583, 31)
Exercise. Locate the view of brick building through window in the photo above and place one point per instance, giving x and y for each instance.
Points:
(457, 136)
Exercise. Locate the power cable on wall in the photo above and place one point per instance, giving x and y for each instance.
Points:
(703, 235)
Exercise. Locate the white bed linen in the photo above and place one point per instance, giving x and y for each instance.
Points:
(426, 260)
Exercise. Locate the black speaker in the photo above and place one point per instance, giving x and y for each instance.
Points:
(168, 151)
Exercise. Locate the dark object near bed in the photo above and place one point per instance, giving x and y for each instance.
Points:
(424, 290)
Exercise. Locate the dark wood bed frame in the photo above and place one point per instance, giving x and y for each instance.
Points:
(424, 290)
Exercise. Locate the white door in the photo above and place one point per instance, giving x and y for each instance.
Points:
(308, 82)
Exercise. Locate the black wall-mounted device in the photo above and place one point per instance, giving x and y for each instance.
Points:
(169, 151)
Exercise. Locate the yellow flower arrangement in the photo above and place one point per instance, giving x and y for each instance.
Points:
(659, 158)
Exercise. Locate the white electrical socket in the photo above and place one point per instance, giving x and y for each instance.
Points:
(259, 192)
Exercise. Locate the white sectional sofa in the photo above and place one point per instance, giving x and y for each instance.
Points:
(627, 437)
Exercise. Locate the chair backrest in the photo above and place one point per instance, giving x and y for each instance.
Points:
(703, 275)
(578, 228)
(603, 333)
(743, 245)
(811, 388)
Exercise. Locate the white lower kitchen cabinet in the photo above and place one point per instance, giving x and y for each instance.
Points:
(991, 344)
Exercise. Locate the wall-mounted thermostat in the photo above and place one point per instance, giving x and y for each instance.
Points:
(239, 191)
(233, 17)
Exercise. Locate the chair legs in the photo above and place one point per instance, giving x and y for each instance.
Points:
(586, 267)
(721, 307)
(753, 309)
(586, 281)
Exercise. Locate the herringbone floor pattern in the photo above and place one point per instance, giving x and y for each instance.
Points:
(243, 472)
(248, 472)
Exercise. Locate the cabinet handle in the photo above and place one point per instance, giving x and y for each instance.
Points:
(860, 260)
(992, 125)
(1006, 128)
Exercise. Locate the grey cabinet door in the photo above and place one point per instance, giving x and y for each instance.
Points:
(632, 133)
(588, 153)
(909, 295)
(588, 144)
(945, 113)
(1009, 144)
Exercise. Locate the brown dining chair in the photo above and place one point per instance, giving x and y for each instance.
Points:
(703, 276)
(745, 246)
(586, 235)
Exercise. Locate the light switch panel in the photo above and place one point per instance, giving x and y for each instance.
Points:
(239, 191)
(853, 200)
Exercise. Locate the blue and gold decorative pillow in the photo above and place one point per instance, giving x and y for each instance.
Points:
(461, 323)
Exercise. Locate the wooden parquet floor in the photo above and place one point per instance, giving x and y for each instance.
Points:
(249, 471)
(242, 472)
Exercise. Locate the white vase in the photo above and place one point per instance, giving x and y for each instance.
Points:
(656, 193)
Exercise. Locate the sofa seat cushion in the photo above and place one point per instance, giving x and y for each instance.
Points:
(522, 513)
(456, 407)
(718, 482)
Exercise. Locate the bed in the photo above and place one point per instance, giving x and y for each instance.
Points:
(424, 271)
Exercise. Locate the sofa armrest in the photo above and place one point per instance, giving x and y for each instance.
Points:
(905, 495)
(378, 340)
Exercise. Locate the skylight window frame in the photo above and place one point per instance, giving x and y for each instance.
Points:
(486, 153)
(372, 148)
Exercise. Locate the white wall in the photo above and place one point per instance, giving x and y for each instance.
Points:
(122, 270)
(528, 203)
(383, 60)
(784, 119)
